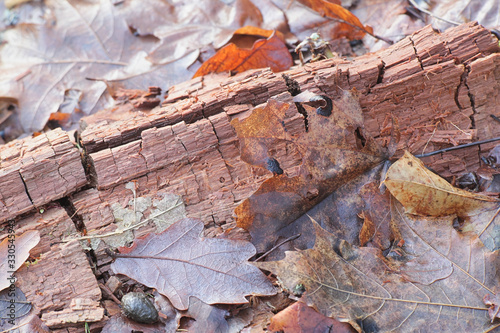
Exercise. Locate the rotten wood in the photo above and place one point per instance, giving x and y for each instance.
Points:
(441, 87)
(36, 171)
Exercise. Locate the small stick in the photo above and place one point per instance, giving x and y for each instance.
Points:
(276, 246)
(458, 147)
(110, 294)
(495, 117)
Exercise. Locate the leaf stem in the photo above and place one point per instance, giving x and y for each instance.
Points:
(278, 245)
(457, 147)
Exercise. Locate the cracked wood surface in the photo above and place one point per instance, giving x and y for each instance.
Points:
(442, 88)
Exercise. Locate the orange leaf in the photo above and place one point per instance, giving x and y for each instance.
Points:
(338, 12)
(254, 31)
(271, 52)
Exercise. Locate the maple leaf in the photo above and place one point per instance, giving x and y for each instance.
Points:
(271, 52)
(334, 151)
(435, 283)
(180, 264)
(13, 253)
(422, 192)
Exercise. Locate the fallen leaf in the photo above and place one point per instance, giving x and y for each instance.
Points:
(333, 150)
(121, 324)
(13, 307)
(422, 192)
(377, 230)
(300, 318)
(408, 293)
(351, 27)
(271, 52)
(14, 250)
(179, 264)
(207, 318)
(484, 12)
(245, 37)
(184, 27)
(77, 48)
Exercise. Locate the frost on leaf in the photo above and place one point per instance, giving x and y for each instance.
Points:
(180, 264)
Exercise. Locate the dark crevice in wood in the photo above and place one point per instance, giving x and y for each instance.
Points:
(416, 53)
(471, 96)
(457, 91)
(292, 86)
(381, 71)
(72, 213)
(26, 188)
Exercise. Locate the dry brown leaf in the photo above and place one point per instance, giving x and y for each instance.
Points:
(422, 192)
(376, 216)
(493, 301)
(13, 253)
(485, 12)
(183, 27)
(245, 37)
(179, 264)
(300, 318)
(435, 283)
(271, 52)
(334, 151)
(207, 318)
(82, 45)
(121, 324)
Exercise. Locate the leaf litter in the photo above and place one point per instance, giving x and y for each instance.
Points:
(378, 293)
(419, 270)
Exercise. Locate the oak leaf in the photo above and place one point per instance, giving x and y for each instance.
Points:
(422, 192)
(271, 52)
(180, 264)
(434, 283)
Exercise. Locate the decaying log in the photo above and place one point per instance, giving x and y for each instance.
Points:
(36, 171)
(441, 88)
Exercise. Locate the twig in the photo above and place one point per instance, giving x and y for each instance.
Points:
(110, 293)
(458, 147)
(278, 245)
